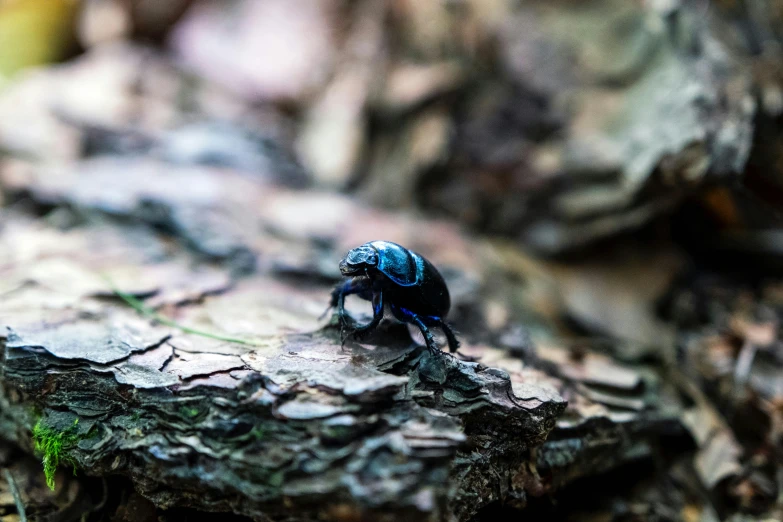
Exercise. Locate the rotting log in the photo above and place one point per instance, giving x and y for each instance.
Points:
(302, 427)
(270, 417)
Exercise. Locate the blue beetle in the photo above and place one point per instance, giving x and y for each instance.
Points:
(390, 275)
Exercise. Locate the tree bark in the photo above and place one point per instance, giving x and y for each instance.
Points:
(256, 408)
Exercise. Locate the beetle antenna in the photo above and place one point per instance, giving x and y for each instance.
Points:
(333, 300)
(325, 312)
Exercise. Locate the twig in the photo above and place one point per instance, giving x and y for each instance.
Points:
(152, 314)
(15, 493)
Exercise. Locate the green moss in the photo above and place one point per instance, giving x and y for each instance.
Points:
(54, 446)
(257, 433)
(189, 412)
(276, 479)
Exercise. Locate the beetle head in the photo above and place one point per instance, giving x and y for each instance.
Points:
(359, 259)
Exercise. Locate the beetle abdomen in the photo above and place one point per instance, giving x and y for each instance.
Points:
(434, 289)
(427, 294)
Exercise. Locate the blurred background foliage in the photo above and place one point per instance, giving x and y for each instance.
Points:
(555, 123)
(35, 33)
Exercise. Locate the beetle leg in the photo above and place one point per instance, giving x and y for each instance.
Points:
(332, 301)
(335, 298)
(357, 285)
(407, 316)
(450, 337)
(341, 317)
(454, 342)
(360, 286)
(425, 331)
(377, 309)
